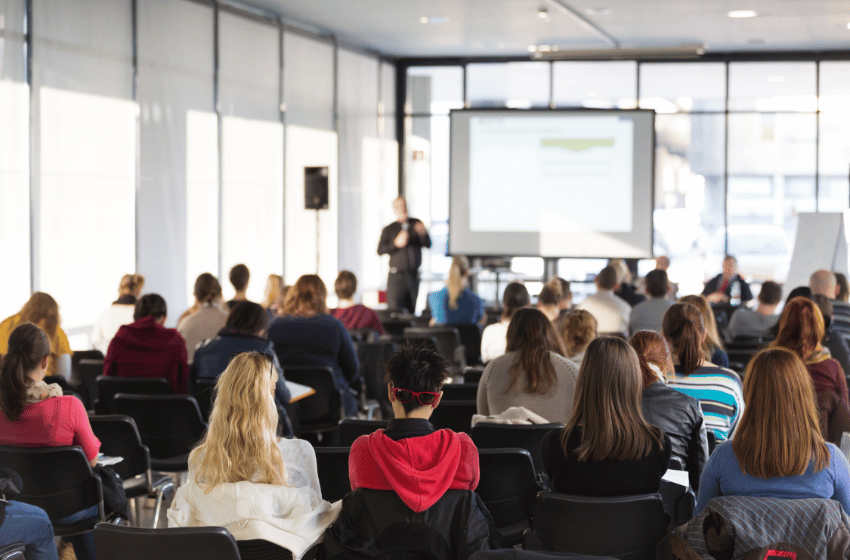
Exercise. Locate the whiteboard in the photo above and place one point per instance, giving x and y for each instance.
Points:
(821, 244)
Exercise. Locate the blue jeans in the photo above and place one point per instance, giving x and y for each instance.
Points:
(83, 544)
(31, 526)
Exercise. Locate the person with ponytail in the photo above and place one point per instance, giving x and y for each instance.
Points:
(677, 414)
(494, 337)
(42, 310)
(717, 389)
(533, 373)
(36, 414)
(778, 450)
(246, 479)
(119, 313)
(456, 304)
(607, 448)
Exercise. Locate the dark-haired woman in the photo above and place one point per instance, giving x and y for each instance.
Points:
(42, 310)
(778, 450)
(677, 414)
(35, 414)
(145, 348)
(607, 448)
(533, 373)
(717, 389)
(494, 338)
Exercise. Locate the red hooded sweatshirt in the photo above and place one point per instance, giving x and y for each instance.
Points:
(418, 469)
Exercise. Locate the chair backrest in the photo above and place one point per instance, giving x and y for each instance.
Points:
(170, 425)
(364, 334)
(322, 409)
(119, 437)
(80, 355)
(59, 480)
(118, 542)
(332, 467)
(627, 527)
(256, 549)
(454, 415)
(487, 435)
(373, 357)
(352, 428)
(86, 373)
(470, 337)
(460, 391)
(508, 486)
(108, 387)
(472, 374)
(396, 326)
(519, 554)
(447, 338)
(203, 390)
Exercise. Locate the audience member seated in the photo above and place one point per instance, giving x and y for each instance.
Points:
(676, 414)
(30, 525)
(205, 318)
(494, 338)
(717, 389)
(719, 288)
(778, 450)
(610, 311)
(842, 296)
(607, 448)
(712, 345)
(578, 329)
(533, 373)
(456, 304)
(625, 289)
(548, 300)
(663, 263)
(647, 315)
(42, 310)
(566, 301)
(239, 277)
(119, 313)
(412, 460)
(243, 477)
(145, 348)
(35, 414)
(307, 336)
(758, 323)
(275, 295)
(801, 329)
(833, 340)
(244, 331)
(353, 315)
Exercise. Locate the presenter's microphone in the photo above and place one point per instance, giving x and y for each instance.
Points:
(405, 226)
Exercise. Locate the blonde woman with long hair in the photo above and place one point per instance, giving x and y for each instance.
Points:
(456, 304)
(246, 479)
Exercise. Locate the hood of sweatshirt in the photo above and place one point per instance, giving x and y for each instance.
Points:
(418, 469)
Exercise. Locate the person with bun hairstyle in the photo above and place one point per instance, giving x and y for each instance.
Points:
(119, 313)
(778, 450)
(577, 330)
(494, 337)
(717, 389)
(607, 448)
(801, 330)
(533, 373)
(36, 414)
(145, 348)
(712, 345)
(677, 414)
(205, 318)
(42, 310)
(456, 304)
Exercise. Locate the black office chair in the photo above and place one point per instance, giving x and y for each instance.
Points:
(472, 374)
(460, 391)
(60, 481)
(204, 390)
(470, 338)
(114, 542)
(332, 468)
(80, 355)
(679, 502)
(119, 438)
(486, 435)
(454, 415)
(363, 335)
(396, 326)
(373, 357)
(321, 412)
(508, 486)
(12, 551)
(256, 549)
(448, 344)
(170, 426)
(625, 527)
(519, 554)
(712, 441)
(352, 428)
(108, 387)
(86, 373)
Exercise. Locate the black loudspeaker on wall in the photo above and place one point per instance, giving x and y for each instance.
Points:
(316, 188)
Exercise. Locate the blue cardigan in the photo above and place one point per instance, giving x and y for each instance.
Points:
(470, 308)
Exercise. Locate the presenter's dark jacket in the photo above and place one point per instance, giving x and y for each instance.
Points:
(714, 284)
(408, 258)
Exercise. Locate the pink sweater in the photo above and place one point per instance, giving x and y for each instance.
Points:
(52, 422)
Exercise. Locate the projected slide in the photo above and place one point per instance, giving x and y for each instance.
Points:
(545, 174)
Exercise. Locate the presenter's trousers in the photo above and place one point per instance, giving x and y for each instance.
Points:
(402, 290)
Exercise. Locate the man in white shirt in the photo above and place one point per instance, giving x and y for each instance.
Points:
(610, 311)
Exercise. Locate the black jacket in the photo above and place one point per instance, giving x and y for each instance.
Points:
(680, 417)
(377, 524)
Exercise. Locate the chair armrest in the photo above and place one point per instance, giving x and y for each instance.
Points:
(530, 540)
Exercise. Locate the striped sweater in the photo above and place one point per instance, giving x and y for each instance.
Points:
(719, 393)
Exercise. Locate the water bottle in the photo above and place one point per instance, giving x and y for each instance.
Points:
(735, 293)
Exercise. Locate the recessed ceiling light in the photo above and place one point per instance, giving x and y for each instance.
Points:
(532, 48)
(543, 13)
(742, 13)
(598, 11)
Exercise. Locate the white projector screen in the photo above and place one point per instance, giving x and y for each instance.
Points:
(552, 183)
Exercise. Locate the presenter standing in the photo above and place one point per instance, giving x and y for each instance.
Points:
(403, 240)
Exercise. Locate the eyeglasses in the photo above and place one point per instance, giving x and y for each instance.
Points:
(425, 398)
